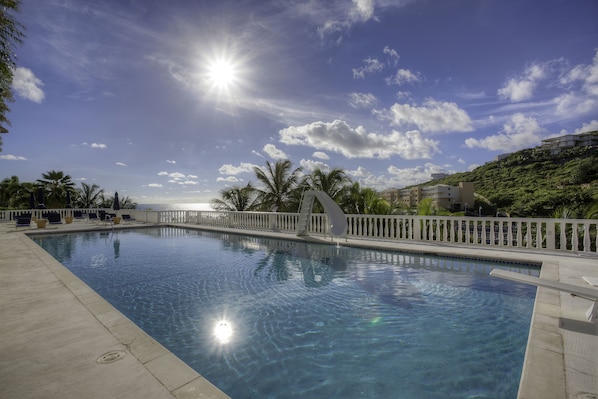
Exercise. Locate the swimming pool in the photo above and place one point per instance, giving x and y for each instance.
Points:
(264, 318)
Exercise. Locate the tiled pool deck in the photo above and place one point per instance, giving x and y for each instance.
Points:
(59, 339)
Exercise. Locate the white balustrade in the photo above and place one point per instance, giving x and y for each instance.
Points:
(571, 235)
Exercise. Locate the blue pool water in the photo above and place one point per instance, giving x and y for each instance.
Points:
(264, 318)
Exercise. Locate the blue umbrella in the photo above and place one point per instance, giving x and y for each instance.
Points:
(40, 198)
(68, 200)
(31, 200)
(116, 204)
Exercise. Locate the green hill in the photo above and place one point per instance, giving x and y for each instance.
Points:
(534, 183)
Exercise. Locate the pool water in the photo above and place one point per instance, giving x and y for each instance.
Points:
(265, 318)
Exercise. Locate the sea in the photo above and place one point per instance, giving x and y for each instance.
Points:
(193, 206)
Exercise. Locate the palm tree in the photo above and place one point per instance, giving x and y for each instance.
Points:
(89, 196)
(280, 184)
(56, 184)
(373, 203)
(332, 183)
(235, 198)
(8, 188)
(127, 203)
(351, 200)
(11, 34)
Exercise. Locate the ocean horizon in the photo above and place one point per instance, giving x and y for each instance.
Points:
(188, 206)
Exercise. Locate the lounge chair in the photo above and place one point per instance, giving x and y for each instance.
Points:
(127, 218)
(23, 221)
(78, 215)
(93, 216)
(54, 218)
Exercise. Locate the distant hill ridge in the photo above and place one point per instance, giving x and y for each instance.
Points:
(534, 182)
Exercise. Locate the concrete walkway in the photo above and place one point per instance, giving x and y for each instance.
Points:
(59, 339)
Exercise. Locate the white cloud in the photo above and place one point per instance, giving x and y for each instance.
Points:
(518, 133)
(522, 87)
(362, 100)
(9, 157)
(27, 85)
(339, 137)
(587, 127)
(433, 117)
(235, 170)
(229, 179)
(517, 90)
(394, 56)
(309, 165)
(586, 74)
(320, 155)
(169, 161)
(99, 146)
(371, 65)
(335, 17)
(274, 152)
(176, 175)
(574, 104)
(396, 177)
(404, 76)
(121, 164)
(162, 173)
(155, 185)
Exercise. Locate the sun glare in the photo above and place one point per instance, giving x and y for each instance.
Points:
(221, 74)
(223, 331)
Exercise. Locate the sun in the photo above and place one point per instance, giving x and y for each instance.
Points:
(222, 74)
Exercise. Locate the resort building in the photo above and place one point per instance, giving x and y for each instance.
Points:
(443, 196)
(558, 144)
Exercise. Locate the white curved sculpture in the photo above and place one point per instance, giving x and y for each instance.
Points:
(336, 216)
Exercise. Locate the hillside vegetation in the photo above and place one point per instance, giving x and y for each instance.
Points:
(534, 183)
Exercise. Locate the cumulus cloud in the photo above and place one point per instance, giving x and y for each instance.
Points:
(433, 117)
(243, 167)
(339, 137)
(362, 100)
(370, 65)
(99, 146)
(587, 127)
(27, 85)
(404, 76)
(521, 88)
(9, 157)
(518, 133)
(169, 161)
(155, 185)
(274, 152)
(121, 164)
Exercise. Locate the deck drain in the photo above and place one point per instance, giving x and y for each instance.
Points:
(111, 357)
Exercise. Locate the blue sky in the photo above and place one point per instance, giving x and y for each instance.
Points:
(171, 101)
